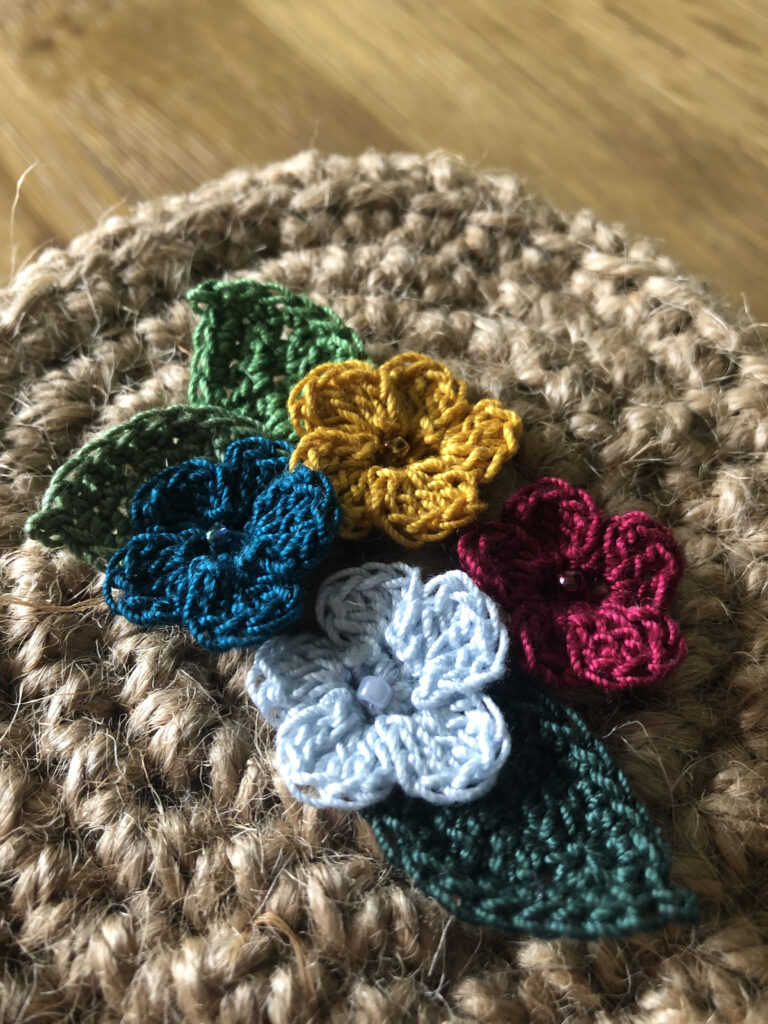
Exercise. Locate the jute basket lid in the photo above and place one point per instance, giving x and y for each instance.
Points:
(153, 867)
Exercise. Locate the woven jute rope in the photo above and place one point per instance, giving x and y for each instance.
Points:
(152, 867)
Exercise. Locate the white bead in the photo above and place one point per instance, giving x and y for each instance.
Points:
(374, 692)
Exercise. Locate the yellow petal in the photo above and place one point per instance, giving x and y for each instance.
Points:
(484, 440)
(343, 396)
(422, 503)
(431, 399)
(344, 457)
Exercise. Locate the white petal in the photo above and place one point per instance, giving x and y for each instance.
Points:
(356, 604)
(448, 755)
(329, 754)
(450, 639)
(290, 671)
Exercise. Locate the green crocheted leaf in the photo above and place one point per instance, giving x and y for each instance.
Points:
(88, 502)
(255, 341)
(560, 847)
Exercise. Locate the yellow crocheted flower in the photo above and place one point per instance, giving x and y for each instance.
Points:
(404, 449)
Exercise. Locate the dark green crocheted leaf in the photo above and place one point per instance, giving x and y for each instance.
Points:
(560, 847)
(255, 341)
(87, 505)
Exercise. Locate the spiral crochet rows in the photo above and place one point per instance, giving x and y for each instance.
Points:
(153, 868)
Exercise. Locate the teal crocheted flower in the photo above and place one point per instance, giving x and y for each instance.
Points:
(222, 547)
(392, 694)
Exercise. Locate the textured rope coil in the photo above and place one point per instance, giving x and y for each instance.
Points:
(143, 834)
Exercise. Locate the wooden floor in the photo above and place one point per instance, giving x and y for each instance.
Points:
(653, 113)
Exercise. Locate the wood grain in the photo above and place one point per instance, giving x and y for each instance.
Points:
(650, 114)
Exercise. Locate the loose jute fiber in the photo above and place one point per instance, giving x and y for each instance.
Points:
(153, 867)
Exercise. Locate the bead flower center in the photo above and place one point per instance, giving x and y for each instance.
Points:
(576, 584)
(572, 581)
(375, 694)
(395, 450)
(221, 538)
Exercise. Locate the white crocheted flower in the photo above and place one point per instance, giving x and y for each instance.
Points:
(392, 694)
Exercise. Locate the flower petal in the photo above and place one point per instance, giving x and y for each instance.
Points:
(200, 492)
(537, 631)
(222, 612)
(562, 519)
(448, 636)
(344, 458)
(293, 522)
(447, 755)
(179, 498)
(484, 439)
(420, 503)
(329, 755)
(354, 606)
(339, 396)
(151, 571)
(290, 671)
(505, 562)
(431, 400)
(643, 563)
(615, 647)
(248, 468)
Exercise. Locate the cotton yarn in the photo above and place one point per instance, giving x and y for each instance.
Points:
(223, 547)
(586, 596)
(560, 847)
(435, 646)
(405, 451)
(154, 867)
(271, 336)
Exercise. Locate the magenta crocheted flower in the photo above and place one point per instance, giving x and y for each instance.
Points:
(586, 595)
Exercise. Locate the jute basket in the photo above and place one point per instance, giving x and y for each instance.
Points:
(153, 868)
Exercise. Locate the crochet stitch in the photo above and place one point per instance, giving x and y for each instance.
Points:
(560, 847)
(425, 651)
(404, 449)
(146, 837)
(253, 343)
(585, 595)
(86, 507)
(222, 547)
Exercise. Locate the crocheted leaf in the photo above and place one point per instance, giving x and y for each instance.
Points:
(255, 341)
(560, 846)
(87, 505)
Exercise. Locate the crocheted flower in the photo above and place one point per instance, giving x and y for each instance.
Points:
(585, 595)
(405, 451)
(222, 547)
(392, 694)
